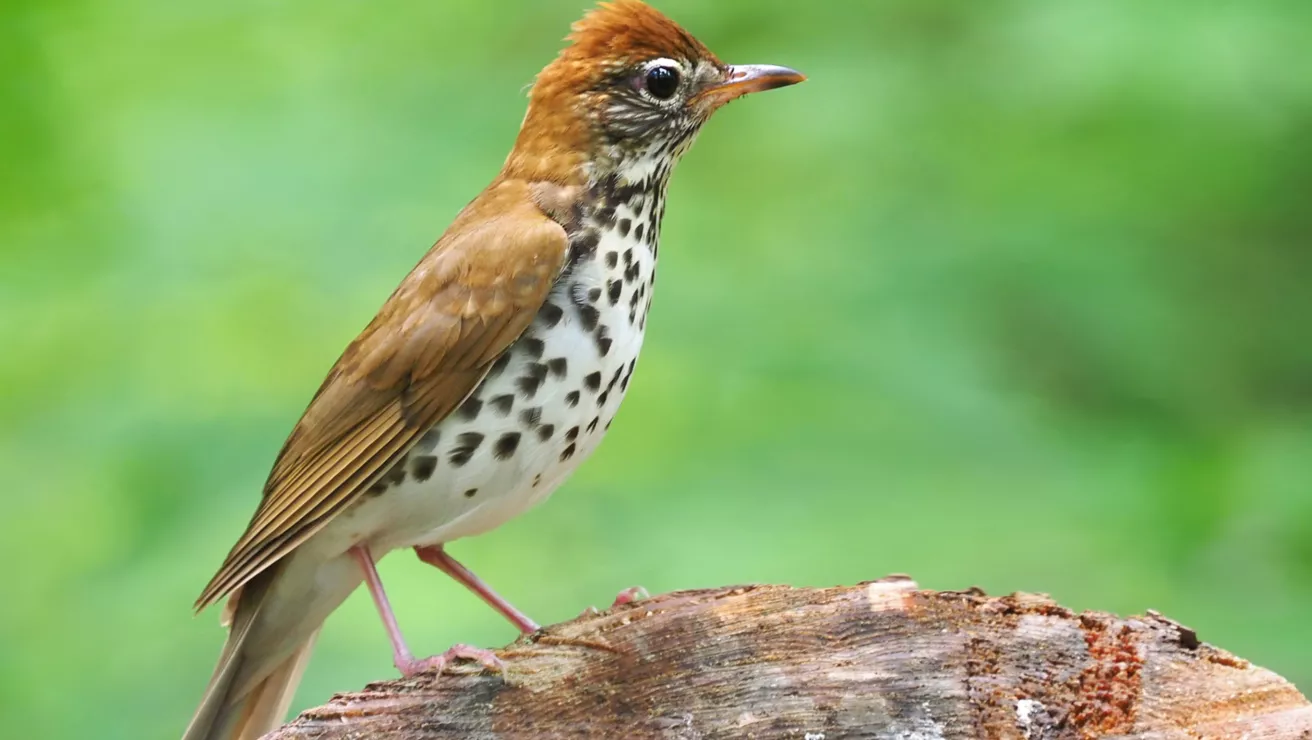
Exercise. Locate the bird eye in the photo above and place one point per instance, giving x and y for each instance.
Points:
(662, 82)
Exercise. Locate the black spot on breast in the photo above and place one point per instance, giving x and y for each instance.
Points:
(396, 475)
(613, 289)
(592, 380)
(637, 233)
(506, 445)
(615, 378)
(471, 492)
(592, 425)
(470, 408)
(545, 431)
(502, 403)
(601, 399)
(528, 385)
(582, 247)
(466, 445)
(533, 346)
(376, 488)
(537, 479)
(612, 259)
(625, 225)
(588, 317)
(531, 416)
(558, 366)
(605, 217)
(500, 365)
(423, 467)
(567, 453)
(594, 295)
(603, 340)
(628, 253)
(572, 434)
(628, 191)
(631, 273)
(537, 370)
(551, 314)
(533, 376)
(572, 399)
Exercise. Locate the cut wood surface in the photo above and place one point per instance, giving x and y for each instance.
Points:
(878, 660)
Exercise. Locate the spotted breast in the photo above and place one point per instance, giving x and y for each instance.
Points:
(550, 398)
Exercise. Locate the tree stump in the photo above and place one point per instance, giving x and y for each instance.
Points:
(878, 660)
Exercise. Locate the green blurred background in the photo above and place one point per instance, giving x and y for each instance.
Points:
(1013, 294)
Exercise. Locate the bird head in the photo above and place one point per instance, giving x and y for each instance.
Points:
(632, 89)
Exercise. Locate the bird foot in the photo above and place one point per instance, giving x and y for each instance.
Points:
(627, 596)
(438, 663)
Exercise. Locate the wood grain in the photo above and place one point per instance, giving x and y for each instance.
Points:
(877, 660)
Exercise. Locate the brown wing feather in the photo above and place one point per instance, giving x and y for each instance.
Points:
(429, 346)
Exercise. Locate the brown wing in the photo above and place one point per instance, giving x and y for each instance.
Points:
(429, 346)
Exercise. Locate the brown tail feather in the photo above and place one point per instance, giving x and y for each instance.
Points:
(225, 714)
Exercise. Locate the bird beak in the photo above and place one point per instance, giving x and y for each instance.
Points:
(748, 78)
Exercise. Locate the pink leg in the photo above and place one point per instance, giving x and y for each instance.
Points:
(437, 557)
(402, 658)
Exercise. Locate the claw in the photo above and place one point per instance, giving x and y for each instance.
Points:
(629, 595)
(438, 663)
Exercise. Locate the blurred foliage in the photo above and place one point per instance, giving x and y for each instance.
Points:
(1012, 294)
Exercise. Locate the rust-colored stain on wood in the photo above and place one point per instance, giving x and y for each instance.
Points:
(876, 660)
(1110, 686)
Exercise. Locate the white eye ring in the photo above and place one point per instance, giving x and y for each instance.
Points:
(663, 62)
(661, 79)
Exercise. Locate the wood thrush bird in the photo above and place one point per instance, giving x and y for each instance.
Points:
(492, 371)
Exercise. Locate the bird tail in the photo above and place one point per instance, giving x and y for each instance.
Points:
(247, 696)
